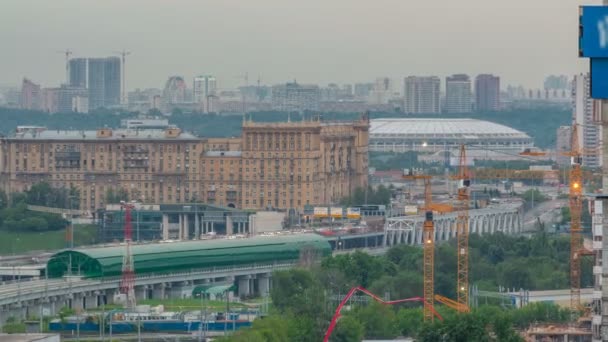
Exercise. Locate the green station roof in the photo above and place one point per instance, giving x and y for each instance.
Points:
(188, 255)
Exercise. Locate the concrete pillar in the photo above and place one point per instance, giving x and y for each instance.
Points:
(197, 227)
(264, 285)
(229, 225)
(186, 230)
(141, 292)
(158, 291)
(165, 227)
(212, 224)
(251, 225)
(244, 289)
(90, 301)
(77, 302)
(180, 226)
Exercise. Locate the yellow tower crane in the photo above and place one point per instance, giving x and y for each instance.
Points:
(429, 242)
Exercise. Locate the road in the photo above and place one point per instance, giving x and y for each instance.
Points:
(549, 212)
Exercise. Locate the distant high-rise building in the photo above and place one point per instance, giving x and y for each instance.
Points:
(174, 92)
(458, 94)
(50, 100)
(78, 72)
(204, 90)
(103, 81)
(557, 82)
(347, 91)
(382, 91)
(563, 145)
(487, 92)
(422, 94)
(362, 90)
(330, 93)
(295, 97)
(589, 131)
(31, 98)
(112, 81)
(72, 99)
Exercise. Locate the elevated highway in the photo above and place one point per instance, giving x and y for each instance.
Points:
(48, 296)
(506, 218)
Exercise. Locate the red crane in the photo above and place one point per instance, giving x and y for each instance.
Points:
(354, 290)
(128, 269)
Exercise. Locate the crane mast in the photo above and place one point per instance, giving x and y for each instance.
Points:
(462, 233)
(576, 204)
(128, 268)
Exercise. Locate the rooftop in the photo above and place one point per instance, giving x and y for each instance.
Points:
(442, 128)
(117, 134)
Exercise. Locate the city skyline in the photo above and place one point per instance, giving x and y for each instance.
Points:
(162, 45)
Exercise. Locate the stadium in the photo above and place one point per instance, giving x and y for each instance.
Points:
(484, 139)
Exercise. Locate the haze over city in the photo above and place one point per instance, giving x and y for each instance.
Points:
(314, 41)
(238, 171)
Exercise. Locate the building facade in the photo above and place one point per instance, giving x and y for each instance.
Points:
(78, 72)
(422, 95)
(563, 145)
(174, 92)
(103, 82)
(204, 91)
(589, 131)
(487, 92)
(72, 99)
(295, 97)
(31, 96)
(278, 165)
(458, 94)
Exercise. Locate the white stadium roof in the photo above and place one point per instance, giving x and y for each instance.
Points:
(442, 129)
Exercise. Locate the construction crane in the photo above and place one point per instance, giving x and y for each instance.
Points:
(67, 53)
(429, 242)
(462, 233)
(576, 206)
(123, 54)
(128, 269)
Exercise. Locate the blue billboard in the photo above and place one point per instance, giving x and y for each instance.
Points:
(599, 78)
(593, 31)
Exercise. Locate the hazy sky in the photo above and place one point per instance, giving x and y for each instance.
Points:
(317, 41)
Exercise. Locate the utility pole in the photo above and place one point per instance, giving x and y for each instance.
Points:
(123, 54)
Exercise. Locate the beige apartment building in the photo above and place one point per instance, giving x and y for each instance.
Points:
(272, 165)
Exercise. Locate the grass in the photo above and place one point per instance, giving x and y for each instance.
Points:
(21, 242)
(188, 304)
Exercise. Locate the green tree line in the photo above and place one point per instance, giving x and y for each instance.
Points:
(540, 123)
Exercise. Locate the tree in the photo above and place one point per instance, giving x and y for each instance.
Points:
(378, 321)
(533, 196)
(348, 329)
(116, 196)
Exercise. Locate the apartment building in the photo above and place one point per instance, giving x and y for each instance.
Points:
(273, 165)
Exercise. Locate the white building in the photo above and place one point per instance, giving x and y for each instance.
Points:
(204, 89)
(80, 104)
(381, 92)
(458, 94)
(422, 94)
(589, 131)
